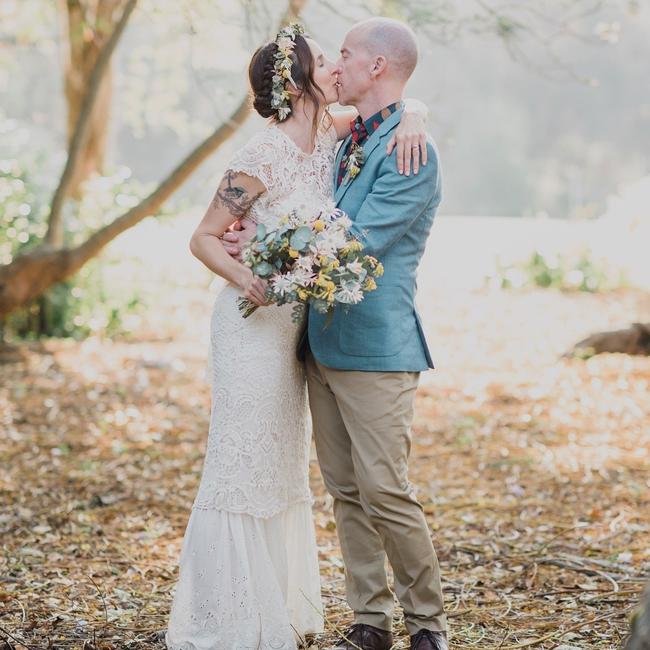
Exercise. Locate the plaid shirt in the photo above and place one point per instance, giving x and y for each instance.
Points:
(361, 131)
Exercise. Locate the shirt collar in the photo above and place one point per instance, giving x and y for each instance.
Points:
(374, 121)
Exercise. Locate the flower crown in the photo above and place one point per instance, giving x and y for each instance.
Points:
(285, 40)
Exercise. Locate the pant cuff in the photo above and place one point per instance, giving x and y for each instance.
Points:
(437, 624)
(382, 621)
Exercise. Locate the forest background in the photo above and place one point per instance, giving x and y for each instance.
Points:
(531, 453)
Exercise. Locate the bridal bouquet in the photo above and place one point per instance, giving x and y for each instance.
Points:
(310, 261)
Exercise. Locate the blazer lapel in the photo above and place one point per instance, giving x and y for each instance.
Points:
(368, 147)
(337, 162)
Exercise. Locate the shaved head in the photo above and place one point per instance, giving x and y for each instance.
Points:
(393, 40)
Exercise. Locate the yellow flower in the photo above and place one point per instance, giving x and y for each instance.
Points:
(319, 226)
(352, 246)
(323, 280)
(303, 294)
(286, 73)
(335, 264)
(329, 288)
(379, 270)
(370, 285)
(324, 260)
(293, 253)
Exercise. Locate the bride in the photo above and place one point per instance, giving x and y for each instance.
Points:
(249, 573)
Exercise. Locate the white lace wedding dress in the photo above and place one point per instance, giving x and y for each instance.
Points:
(249, 568)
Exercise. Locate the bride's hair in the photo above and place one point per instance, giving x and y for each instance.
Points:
(261, 70)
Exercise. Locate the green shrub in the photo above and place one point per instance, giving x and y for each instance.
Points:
(578, 272)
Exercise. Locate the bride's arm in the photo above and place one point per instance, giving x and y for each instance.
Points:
(234, 197)
(342, 118)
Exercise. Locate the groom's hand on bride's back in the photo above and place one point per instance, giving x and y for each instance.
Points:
(236, 236)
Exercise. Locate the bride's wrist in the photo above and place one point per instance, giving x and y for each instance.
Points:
(416, 107)
(243, 277)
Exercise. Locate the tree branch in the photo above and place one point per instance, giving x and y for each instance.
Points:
(168, 186)
(54, 236)
(32, 273)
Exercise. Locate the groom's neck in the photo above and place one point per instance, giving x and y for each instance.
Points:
(378, 98)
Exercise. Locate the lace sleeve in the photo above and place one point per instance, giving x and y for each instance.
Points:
(255, 158)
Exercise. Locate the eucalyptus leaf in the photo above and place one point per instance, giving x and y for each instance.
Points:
(301, 238)
(261, 231)
(263, 269)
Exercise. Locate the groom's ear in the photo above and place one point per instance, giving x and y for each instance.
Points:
(378, 66)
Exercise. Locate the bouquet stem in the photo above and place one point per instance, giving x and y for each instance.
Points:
(246, 307)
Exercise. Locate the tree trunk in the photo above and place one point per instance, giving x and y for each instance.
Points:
(632, 340)
(640, 629)
(85, 30)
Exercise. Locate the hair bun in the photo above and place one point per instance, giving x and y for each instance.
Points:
(260, 72)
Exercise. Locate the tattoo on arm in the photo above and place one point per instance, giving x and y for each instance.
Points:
(234, 197)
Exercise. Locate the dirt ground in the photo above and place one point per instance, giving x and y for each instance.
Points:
(533, 471)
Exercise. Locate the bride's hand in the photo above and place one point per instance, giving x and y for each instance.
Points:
(410, 138)
(253, 287)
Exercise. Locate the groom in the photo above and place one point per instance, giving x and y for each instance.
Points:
(363, 366)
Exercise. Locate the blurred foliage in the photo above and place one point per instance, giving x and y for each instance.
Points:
(568, 272)
(22, 214)
(88, 303)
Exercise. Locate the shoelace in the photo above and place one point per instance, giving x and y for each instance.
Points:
(431, 636)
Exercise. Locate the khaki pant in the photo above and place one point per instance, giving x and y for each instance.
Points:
(362, 429)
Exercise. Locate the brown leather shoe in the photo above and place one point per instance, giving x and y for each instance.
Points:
(429, 640)
(365, 637)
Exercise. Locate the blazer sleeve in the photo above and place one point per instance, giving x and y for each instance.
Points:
(395, 202)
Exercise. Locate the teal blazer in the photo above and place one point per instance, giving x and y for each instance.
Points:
(392, 215)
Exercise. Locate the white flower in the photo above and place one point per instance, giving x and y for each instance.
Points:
(302, 277)
(333, 237)
(305, 262)
(350, 293)
(282, 284)
(297, 219)
(355, 267)
(285, 43)
(323, 247)
(344, 221)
